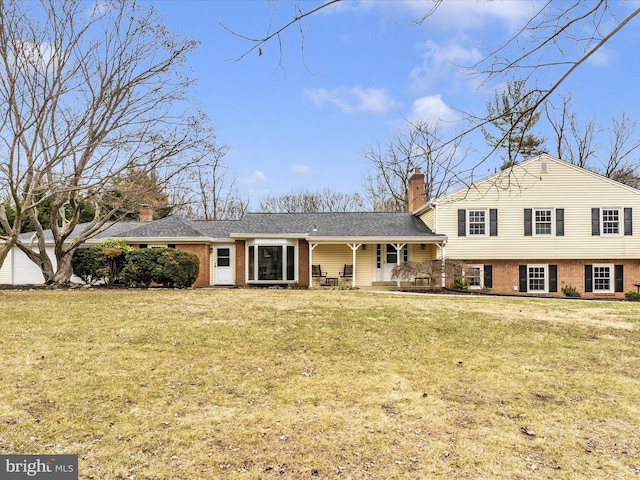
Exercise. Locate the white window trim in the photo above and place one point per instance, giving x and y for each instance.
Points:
(553, 222)
(612, 280)
(480, 272)
(487, 225)
(271, 243)
(546, 278)
(620, 222)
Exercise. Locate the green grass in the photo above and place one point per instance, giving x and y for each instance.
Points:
(254, 384)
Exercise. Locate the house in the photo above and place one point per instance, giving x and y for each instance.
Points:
(535, 229)
(543, 226)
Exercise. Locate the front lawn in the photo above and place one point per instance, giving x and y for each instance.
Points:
(260, 384)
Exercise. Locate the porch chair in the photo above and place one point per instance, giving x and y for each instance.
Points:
(317, 274)
(347, 271)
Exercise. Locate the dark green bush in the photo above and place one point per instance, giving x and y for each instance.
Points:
(85, 264)
(141, 266)
(632, 296)
(178, 269)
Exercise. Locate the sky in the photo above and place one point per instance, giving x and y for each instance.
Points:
(302, 114)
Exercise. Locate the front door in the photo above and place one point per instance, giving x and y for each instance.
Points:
(222, 269)
(390, 259)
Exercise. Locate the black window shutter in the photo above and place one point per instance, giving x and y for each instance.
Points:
(462, 222)
(488, 276)
(595, 221)
(619, 274)
(553, 278)
(588, 278)
(528, 228)
(628, 221)
(559, 222)
(523, 277)
(493, 222)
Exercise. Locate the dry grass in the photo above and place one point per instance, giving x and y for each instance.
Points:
(260, 384)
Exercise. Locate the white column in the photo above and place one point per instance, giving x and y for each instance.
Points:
(354, 248)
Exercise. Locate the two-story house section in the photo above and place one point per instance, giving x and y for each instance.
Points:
(540, 227)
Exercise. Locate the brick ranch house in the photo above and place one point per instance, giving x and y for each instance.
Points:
(543, 226)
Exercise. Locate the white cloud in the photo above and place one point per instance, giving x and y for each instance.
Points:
(353, 100)
(449, 15)
(440, 60)
(256, 177)
(302, 169)
(433, 109)
(603, 57)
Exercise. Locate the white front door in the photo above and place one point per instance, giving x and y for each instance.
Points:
(390, 260)
(223, 266)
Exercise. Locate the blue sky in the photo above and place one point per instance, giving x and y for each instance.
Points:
(302, 116)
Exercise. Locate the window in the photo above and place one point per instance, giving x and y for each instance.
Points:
(537, 278)
(223, 257)
(603, 278)
(477, 222)
(543, 221)
(271, 263)
(474, 275)
(610, 221)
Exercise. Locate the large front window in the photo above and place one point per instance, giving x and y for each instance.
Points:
(271, 263)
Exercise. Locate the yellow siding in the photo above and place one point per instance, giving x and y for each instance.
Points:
(332, 259)
(562, 186)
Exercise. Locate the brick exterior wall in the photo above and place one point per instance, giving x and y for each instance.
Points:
(204, 255)
(240, 263)
(303, 262)
(505, 275)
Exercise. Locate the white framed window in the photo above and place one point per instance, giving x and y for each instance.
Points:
(271, 261)
(537, 278)
(543, 222)
(603, 280)
(610, 220)
(474, 274)
(477, 222)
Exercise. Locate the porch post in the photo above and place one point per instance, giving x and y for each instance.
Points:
(443, 282)
(311, 247)
(354, 248)
(398, 247)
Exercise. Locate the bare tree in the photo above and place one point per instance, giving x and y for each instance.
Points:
(306, 201)
(209, 192)
(89, 92)
(581, 144)
(391, 165)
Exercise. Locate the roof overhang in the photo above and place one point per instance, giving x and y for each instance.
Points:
(432, 239)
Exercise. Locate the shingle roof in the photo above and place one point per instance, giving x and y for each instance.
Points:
(313, 225)
(167, 227)
(350, 224)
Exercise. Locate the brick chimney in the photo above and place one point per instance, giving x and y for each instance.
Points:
(146, 213)
(416, 190)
